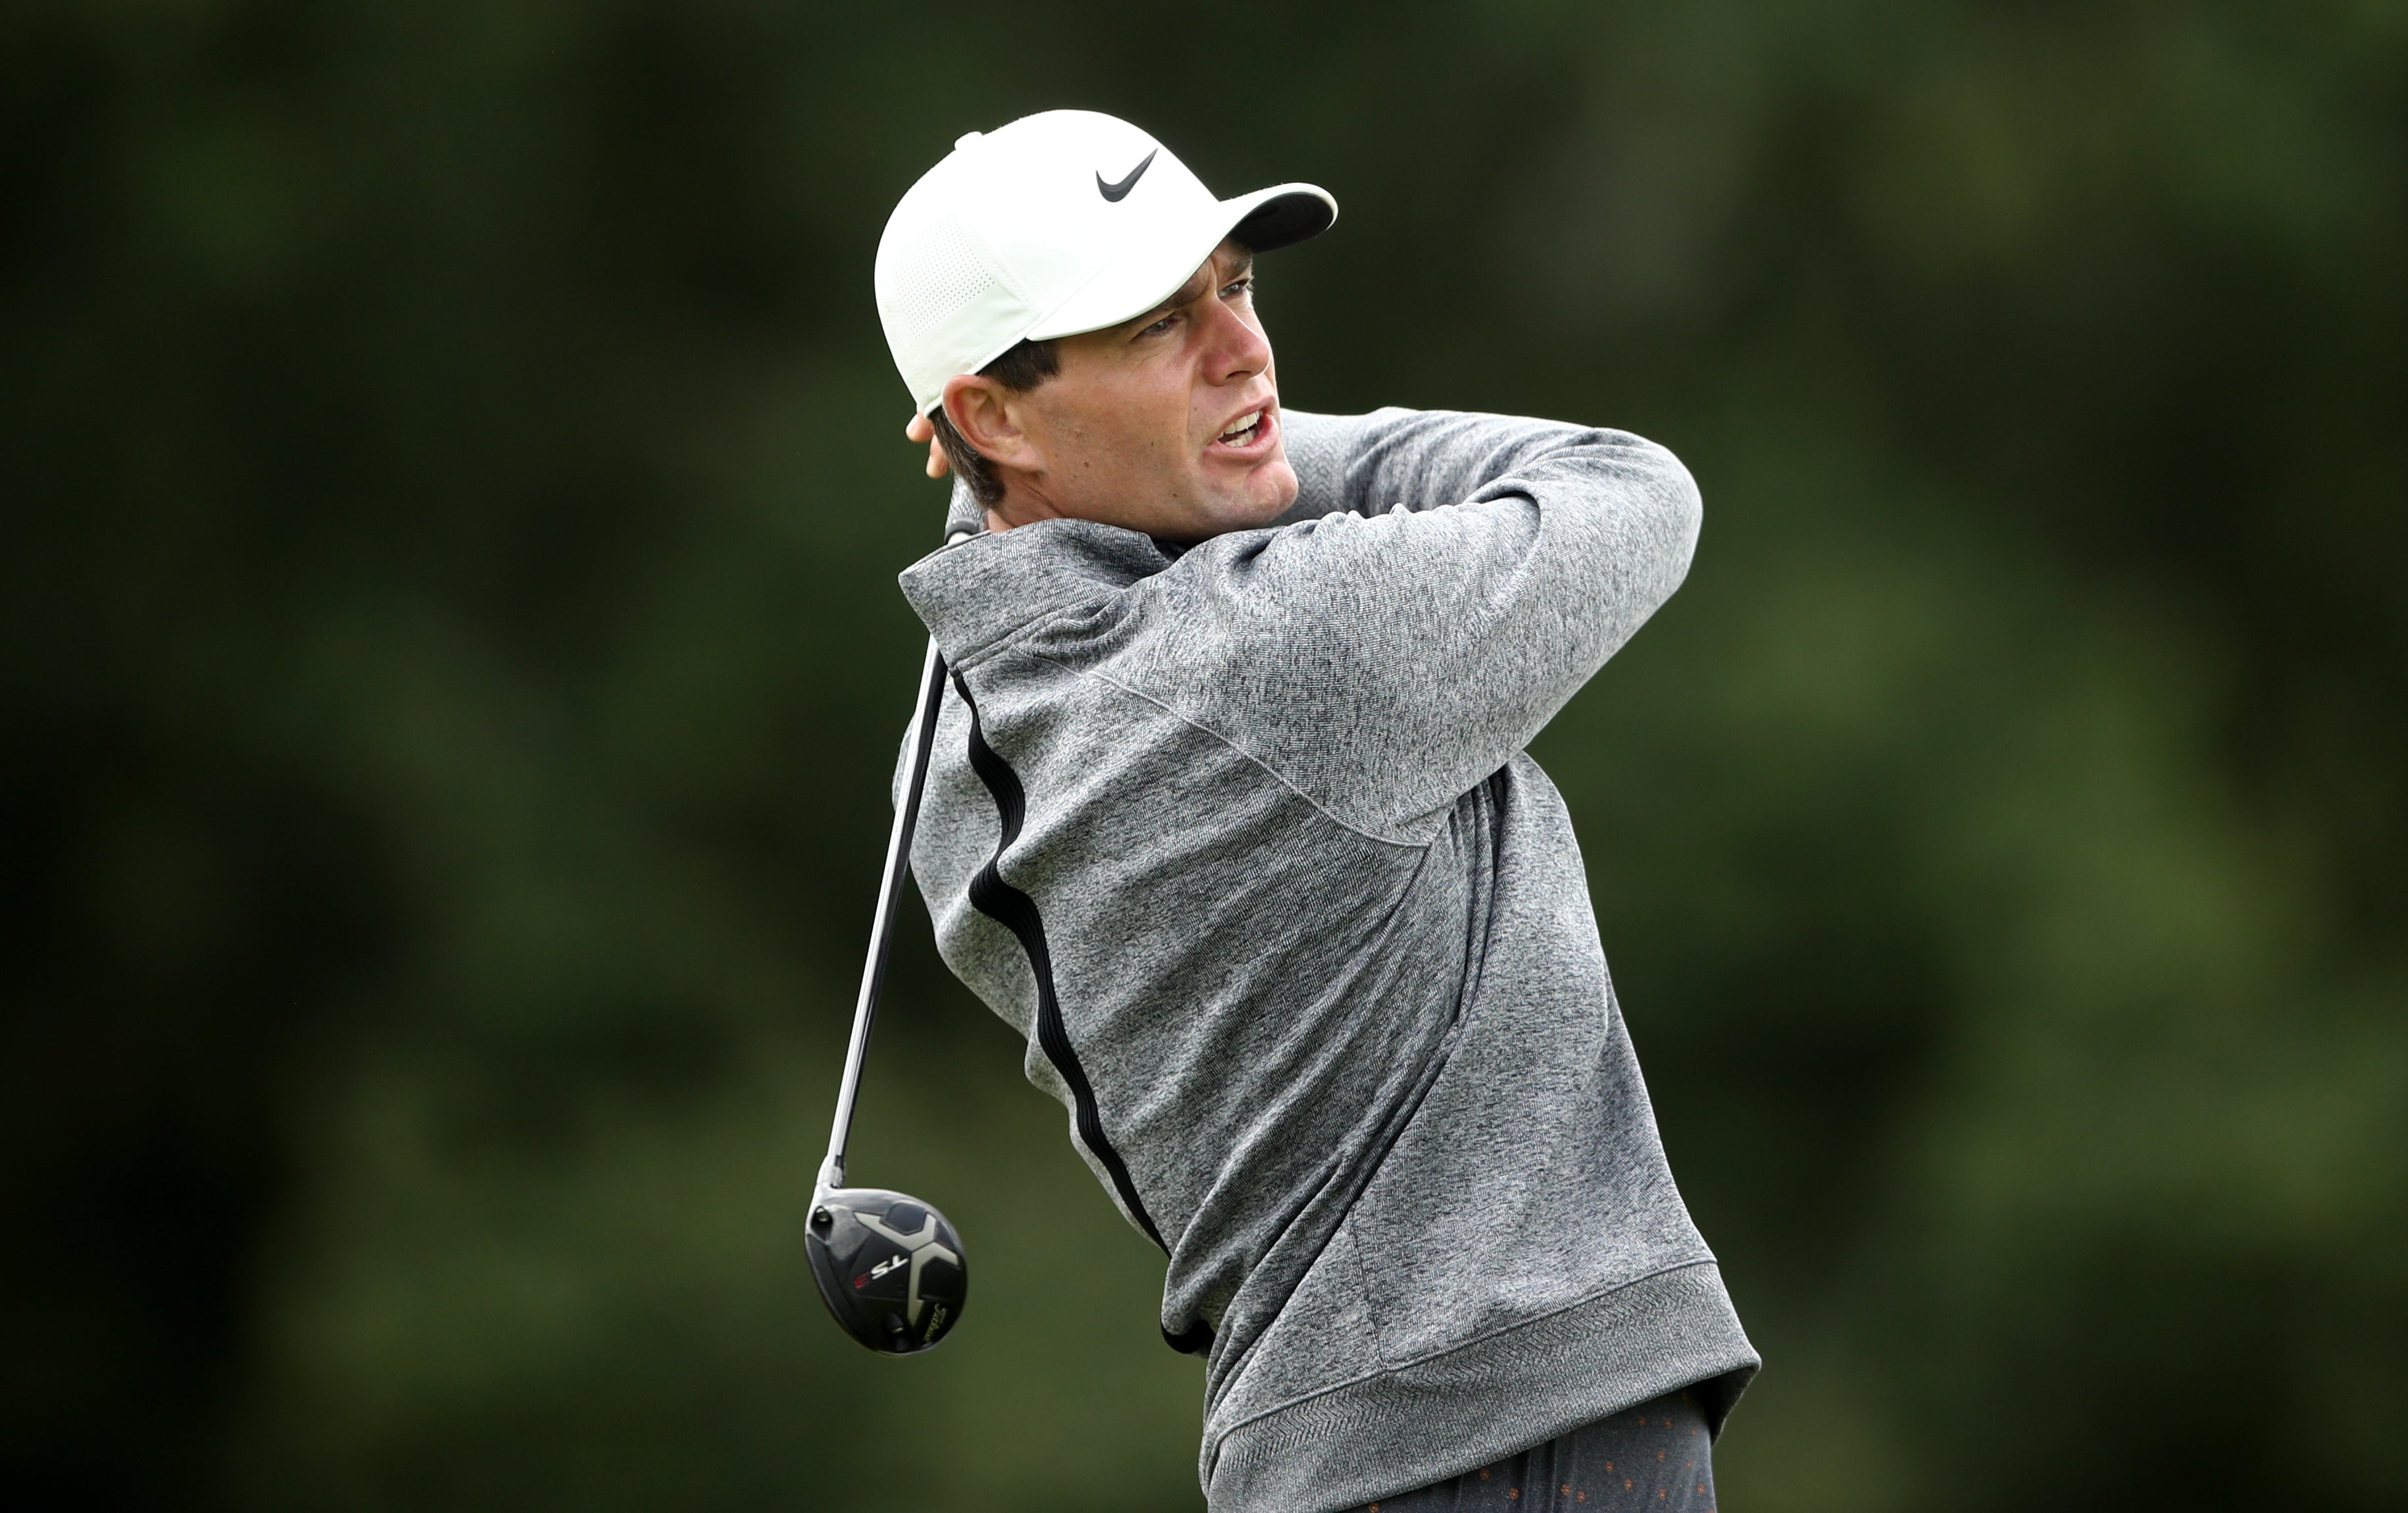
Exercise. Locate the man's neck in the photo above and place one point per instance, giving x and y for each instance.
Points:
(1023, 503)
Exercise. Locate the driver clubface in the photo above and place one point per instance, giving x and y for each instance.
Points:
(889, 1267)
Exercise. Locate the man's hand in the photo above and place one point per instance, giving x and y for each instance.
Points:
(923, 429)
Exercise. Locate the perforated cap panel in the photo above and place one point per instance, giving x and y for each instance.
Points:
(937, 275)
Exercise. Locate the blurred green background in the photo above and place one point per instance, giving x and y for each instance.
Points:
(453, 496)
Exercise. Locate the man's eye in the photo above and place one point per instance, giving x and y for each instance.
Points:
(1159, 326)
(1243, 286)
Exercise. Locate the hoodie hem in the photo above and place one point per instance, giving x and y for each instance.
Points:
(1454, 1412)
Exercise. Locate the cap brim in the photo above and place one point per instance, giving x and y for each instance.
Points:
(1151, 269)
(1283, 216)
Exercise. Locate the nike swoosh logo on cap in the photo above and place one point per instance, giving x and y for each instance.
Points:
(1119, 191)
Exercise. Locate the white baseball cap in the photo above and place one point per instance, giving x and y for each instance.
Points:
(1060, 223)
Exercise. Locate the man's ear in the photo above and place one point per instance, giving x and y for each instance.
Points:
(983, 412)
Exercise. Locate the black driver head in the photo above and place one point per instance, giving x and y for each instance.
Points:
(890, 1268)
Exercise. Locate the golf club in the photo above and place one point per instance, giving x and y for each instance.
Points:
(889, 1266)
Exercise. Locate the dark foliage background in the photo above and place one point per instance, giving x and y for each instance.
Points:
(454, 492)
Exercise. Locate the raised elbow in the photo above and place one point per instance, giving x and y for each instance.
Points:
(1685, 510)
(1661, 517)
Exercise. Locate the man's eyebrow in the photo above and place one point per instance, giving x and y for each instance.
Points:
(1193, 290)
(1185, 293)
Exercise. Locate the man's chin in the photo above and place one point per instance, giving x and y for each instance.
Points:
(1269, 491)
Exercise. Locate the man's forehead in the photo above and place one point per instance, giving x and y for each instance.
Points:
(1230, 258)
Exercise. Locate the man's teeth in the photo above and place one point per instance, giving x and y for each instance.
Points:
(1244, 423)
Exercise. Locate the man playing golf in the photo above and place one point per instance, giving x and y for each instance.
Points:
(1229, 813)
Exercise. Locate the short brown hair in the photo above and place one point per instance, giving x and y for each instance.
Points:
(1020, 370)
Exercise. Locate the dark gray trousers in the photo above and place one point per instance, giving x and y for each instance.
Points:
(1655, 1457)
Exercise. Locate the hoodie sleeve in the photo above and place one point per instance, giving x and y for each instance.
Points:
(1447, 582)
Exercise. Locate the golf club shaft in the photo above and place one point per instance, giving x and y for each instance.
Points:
(890, 896)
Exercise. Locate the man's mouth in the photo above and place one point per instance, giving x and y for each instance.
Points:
(1247, 429)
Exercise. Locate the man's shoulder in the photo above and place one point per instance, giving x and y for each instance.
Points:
(980, 592)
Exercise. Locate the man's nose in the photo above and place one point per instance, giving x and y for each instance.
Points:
(1239, 350)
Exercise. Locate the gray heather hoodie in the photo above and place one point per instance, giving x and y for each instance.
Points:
(1243, 839)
